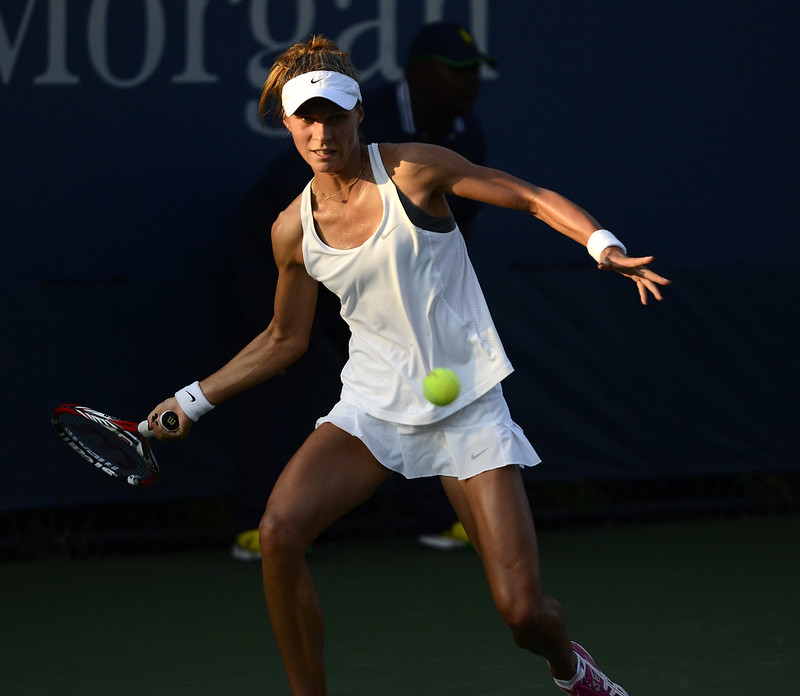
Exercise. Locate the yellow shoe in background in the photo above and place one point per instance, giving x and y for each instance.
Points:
(245, 546)
(453, 538)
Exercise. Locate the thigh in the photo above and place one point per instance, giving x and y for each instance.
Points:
(496, 512)
(332, 473)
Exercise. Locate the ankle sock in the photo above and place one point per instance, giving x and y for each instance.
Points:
(569, 684)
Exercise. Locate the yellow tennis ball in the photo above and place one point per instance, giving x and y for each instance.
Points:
(441, 386)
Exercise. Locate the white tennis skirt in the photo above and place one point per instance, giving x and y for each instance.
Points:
(479, 437)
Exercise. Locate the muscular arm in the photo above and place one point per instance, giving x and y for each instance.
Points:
(426, 173)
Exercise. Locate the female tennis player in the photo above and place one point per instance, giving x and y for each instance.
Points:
(374, 226)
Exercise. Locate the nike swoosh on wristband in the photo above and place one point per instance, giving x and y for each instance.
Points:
(475, 456)
(192, 396)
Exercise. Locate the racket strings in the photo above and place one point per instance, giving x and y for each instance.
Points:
(103, 444)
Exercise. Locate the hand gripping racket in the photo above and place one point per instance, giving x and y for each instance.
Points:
(119, 448)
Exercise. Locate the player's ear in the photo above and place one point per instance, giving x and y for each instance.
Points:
(360, 114)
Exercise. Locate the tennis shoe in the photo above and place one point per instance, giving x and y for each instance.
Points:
(453, 538)
(589, 680)
(246, 547)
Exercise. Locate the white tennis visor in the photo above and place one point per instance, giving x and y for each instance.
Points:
(338, 88)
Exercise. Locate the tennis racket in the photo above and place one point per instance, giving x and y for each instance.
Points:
(119, 448)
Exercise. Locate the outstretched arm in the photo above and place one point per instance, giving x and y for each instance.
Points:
(420, 169)
(564, 216)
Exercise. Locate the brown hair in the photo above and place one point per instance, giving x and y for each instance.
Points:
(318, 53)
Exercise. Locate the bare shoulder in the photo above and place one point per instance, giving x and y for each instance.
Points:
(412, 157)
(424, 168)
(287, 236)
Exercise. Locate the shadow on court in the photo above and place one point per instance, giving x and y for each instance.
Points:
(700, 608)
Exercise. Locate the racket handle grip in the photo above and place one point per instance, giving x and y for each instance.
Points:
(168, 420)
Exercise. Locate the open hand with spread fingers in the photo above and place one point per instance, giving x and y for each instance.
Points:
(635, 268)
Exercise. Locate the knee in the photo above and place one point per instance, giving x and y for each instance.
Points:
(278, 539)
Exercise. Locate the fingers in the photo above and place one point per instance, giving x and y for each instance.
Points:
(633, 266)
(651, 280)
(157, 427)
(645, 285)
(642, 290)
(154, 423)
(616, 260)
(653, 287)
(636, 268)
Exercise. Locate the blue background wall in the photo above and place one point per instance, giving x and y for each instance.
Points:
(129, 140)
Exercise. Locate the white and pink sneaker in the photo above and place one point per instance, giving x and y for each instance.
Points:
(588, 680)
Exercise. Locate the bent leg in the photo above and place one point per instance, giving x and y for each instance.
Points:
(494, 509)
(330, 474)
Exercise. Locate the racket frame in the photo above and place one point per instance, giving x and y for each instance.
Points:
(128, 433)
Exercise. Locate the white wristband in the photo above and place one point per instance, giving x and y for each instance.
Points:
(599, 241)
(193, 402)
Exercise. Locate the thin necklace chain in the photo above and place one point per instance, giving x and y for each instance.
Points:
(342, 190)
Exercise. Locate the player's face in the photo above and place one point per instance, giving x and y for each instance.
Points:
(324, 133)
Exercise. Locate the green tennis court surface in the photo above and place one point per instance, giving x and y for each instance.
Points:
(700, 608)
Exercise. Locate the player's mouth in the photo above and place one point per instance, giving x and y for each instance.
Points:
(324, 154)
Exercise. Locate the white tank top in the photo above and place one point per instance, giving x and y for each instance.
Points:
(413, 303)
